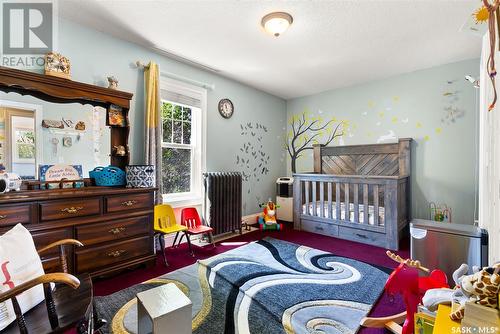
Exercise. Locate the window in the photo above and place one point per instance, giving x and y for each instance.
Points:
(177, 151)
(182, 142)
(23, 139)
(24, 145)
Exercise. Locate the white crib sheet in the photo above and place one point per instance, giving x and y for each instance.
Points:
(371, 210)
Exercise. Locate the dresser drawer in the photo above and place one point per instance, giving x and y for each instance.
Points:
(15, 214)
(129, 202)
(330, 230)
(97, 257)
(114, 230)
(50, 258)
(367, 237)
(67, 209)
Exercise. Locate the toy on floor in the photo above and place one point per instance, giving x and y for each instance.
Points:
(405, 280)
(435, 297)
(481, 287)
(267, 220)
(440, 213)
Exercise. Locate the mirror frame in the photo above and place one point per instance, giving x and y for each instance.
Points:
(61, 90)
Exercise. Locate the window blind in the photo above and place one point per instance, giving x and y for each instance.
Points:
(180, 98)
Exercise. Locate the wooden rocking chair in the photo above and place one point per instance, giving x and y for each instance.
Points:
(69, 305)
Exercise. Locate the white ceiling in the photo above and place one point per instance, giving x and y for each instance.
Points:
(330, 44)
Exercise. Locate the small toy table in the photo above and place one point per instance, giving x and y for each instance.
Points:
(164, 310)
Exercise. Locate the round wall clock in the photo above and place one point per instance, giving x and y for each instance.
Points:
(226, 108)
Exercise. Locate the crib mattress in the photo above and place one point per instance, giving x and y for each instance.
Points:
(371, 212)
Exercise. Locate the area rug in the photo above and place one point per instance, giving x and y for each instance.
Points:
(268, 286)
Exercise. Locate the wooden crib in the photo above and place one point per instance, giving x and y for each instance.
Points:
(360, 193)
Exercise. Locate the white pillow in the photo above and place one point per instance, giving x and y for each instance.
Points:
(19, 262)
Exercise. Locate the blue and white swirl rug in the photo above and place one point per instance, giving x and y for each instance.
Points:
(268, 286)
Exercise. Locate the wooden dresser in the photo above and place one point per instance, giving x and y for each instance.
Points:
(114, 224)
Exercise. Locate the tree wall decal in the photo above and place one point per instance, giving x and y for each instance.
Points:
(306, 131)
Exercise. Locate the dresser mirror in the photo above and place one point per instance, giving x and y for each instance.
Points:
(36, 132)
(113, 223)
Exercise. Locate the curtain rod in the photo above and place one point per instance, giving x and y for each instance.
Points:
(141, 65)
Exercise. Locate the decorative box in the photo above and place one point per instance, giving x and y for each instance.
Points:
(140, 176)
(424, 323)
(108, 176)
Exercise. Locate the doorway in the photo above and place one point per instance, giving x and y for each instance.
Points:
(18, 142)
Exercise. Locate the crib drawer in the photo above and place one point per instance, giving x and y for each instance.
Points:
(320, 228)
(367, 237)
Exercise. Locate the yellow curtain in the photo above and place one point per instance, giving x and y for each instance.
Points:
(153, 121)
(152, 80)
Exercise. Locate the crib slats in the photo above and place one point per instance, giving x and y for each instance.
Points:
(321, 199)
(306, 187)
(337, 200)
(356, 203)
(314, 211)
(330, 206)
(347, 214)
(375, 205)
(365, 204)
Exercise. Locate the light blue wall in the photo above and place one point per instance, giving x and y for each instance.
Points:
(414, 105)
(95, 55)
(443, 167)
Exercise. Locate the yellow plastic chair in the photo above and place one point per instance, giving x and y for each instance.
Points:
(164, 223)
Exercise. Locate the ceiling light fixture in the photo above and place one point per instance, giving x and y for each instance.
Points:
(276, 23)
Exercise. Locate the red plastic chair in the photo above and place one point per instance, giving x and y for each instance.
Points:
(191, 219)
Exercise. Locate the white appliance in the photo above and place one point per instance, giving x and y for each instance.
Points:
(284, 199)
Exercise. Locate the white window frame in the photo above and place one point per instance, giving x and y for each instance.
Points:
(198, 141)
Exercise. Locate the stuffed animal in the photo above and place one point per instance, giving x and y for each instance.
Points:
(267, 220)
(481, 288)
(434, 297)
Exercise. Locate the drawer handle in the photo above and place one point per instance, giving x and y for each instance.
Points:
(117, 230)
(2, 217)
(116, 253)
(129, 203)
(361, 236)
(319, 228)
(72, 209)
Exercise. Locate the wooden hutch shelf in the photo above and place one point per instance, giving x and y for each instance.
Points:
(61, 90)
(114, 224)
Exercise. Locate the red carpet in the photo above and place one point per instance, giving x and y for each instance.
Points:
(179, 257)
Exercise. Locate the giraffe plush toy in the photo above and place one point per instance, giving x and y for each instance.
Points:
(481, 288)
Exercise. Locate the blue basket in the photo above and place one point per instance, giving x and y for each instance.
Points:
(108, 176)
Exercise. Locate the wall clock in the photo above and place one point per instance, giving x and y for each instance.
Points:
(226, 108)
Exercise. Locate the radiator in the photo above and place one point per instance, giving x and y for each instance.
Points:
(223, 201)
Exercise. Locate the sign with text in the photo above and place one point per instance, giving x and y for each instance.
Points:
(60, 172)
(28, 32)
